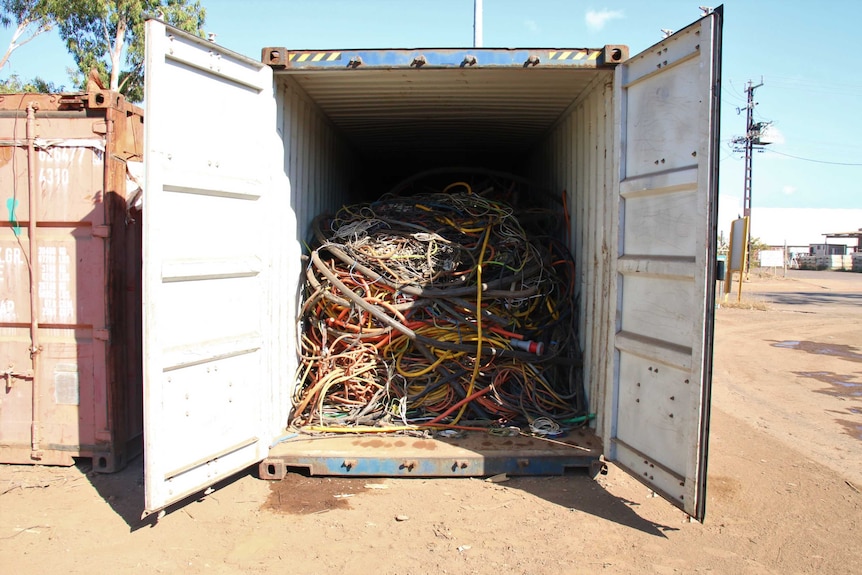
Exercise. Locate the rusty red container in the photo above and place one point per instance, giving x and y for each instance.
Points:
(70, 271)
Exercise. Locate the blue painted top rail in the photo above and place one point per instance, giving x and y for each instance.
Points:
(284, 59)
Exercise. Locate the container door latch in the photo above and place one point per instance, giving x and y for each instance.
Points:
(10, 376)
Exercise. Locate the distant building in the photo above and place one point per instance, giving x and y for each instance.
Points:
(827, 249)
(792, 226)
(857, 235)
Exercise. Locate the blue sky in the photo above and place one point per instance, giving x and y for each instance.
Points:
(805, 53)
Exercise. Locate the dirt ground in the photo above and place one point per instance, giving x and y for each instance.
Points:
(784, 482)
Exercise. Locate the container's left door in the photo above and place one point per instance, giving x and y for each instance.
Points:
(210, 147)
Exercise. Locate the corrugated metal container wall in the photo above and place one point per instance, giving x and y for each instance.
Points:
(320, 164)
(577, 157)
(69, 280)
(318, 161)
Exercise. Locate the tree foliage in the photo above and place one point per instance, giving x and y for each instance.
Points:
(14, 85)
(756, 245)
(108, 36)
(102, 35)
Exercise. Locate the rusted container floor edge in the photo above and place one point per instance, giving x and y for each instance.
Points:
(477, 454)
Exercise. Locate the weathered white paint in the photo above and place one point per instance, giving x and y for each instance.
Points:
(657, 413)
(213, 159)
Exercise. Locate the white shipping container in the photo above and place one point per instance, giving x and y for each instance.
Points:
(241, 156)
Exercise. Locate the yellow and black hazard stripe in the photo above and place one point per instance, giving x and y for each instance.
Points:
(574, 55)
(301, 57)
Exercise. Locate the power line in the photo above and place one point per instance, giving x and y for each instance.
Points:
(791, 82)
(733, 94)
(736, 91)
(811, 159)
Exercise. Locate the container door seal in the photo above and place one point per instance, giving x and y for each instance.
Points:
(210, 145)
(657, 418)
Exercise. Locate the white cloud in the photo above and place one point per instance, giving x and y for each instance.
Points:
(789, 190)
(531, 25)
(596, 20)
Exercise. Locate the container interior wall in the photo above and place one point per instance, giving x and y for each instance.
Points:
(573, 156)
(321, 175)
(577, 159)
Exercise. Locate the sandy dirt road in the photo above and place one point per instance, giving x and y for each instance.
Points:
(785, 475)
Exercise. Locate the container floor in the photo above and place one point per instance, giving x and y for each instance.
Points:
(475, 454)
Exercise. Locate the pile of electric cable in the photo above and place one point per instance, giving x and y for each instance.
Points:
(447, 309)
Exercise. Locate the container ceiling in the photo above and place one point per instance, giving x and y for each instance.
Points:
(441, 111)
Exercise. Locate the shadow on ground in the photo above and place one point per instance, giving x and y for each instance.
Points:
(124, 491)
(580, 492)
(813, 298)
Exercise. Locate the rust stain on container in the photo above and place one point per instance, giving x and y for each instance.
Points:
(425, 444)
(373, 443)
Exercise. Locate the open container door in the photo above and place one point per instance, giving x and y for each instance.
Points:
(657, 422)
(211, 153)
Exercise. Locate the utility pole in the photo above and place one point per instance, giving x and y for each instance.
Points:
(477, 23)
(749, 143)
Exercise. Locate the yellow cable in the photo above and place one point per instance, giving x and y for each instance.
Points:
(358, 429)
(421, 372)
(478, 359)
(454, 184)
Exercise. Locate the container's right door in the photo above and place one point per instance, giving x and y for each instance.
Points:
(657, 417)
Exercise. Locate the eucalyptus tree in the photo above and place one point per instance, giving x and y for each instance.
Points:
(108, 36)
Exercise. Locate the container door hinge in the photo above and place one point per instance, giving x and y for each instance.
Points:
(101, 231)
(103, 334)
